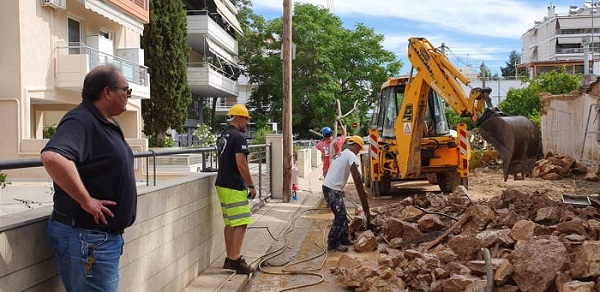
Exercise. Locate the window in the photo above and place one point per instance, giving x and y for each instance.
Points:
(107, 34)
(74, 35)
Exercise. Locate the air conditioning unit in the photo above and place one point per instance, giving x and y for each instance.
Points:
(56, 4)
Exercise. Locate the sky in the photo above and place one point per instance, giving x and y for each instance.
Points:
(474, 31)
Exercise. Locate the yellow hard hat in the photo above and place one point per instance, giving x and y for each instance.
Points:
(356, 140)
(238, 110)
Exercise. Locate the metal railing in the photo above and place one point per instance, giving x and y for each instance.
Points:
(133, 72)
(259, 162)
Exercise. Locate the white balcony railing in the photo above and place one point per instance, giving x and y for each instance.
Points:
(133, 73)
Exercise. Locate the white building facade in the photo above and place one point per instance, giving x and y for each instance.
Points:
(49, 46)
(563, 39)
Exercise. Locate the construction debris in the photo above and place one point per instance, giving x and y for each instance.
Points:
(434, 242)
(558, 166)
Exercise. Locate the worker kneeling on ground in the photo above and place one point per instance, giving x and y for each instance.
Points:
(333, 191)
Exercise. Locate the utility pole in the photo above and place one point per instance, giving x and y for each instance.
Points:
(287, 101)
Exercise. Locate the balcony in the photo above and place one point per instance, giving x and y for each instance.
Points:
(201, 25)
(75, 60)
(207, 79)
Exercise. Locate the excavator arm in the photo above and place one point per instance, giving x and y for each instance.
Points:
(436, 70)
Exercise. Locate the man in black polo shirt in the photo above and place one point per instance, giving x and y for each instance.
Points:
(95, 194)
(234, 187)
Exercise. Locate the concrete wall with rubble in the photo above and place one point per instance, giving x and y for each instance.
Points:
(564, 119)
(177, 234)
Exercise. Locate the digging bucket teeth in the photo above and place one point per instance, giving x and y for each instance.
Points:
(516, 138)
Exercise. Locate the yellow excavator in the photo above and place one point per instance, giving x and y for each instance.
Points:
(410, 138)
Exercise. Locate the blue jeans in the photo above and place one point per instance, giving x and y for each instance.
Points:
(73, 246)
(339, 229)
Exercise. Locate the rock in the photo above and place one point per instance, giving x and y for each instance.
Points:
(537, 261)
(410, 231)
(503, 273)
(366, 241)
(500, 238)
(411, 214)
(507, 218)
(575, 238)
(356, 277)
(561, 279)
(466, 247)
(585, 260)
(393, 227)
(523, 229)
(593, 229)
(430, 222)
(458, 283)
(345, 263)
(479, 267)
(476, 286)
(411, 254)
(576, 226)
(506, 288)
(458, 199)
(446, 255)
(396, 242)
(547, 215)
(577, 286)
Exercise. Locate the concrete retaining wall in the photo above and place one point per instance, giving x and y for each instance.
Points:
(177, 234)
(563, 126)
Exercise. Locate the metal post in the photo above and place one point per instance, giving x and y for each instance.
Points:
(260, 175)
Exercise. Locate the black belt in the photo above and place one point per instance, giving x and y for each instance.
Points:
(66, 220)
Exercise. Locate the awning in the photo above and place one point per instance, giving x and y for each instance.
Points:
(561, 41)
(115, 15)
(229, 16)
(217, 50)
(568, 23)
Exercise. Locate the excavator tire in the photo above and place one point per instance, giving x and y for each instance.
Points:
(448, 181)
(517, 140)
(383, 187)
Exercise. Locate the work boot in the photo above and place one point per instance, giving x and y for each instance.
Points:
(341, 248)
(347, 241)
(240, 266)
(227, 264)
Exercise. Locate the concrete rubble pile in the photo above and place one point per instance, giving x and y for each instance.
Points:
(556, 166)
(438, 243)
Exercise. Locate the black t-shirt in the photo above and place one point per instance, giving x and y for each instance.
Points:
(231, 142)
(104, 161)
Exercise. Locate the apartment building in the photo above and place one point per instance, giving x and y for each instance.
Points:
(49, 46)
(563, 39)
(213, 32)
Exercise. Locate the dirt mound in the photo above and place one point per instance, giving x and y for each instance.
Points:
(515, 241)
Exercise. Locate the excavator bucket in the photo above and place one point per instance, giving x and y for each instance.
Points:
(517, 140)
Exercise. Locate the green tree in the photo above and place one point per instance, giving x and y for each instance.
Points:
(513, 59)
(484, 71)
(526, 102)
(331, 63)
(166, 51)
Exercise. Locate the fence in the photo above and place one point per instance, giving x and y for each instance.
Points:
(259, 162)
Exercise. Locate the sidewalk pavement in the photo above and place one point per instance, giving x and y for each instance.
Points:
(273, 214)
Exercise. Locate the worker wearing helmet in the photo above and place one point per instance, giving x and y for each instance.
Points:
(333, 192)
(234, 186)
(325, 145)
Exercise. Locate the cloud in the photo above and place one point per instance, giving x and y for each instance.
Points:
(475, 31)
(498, 18)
